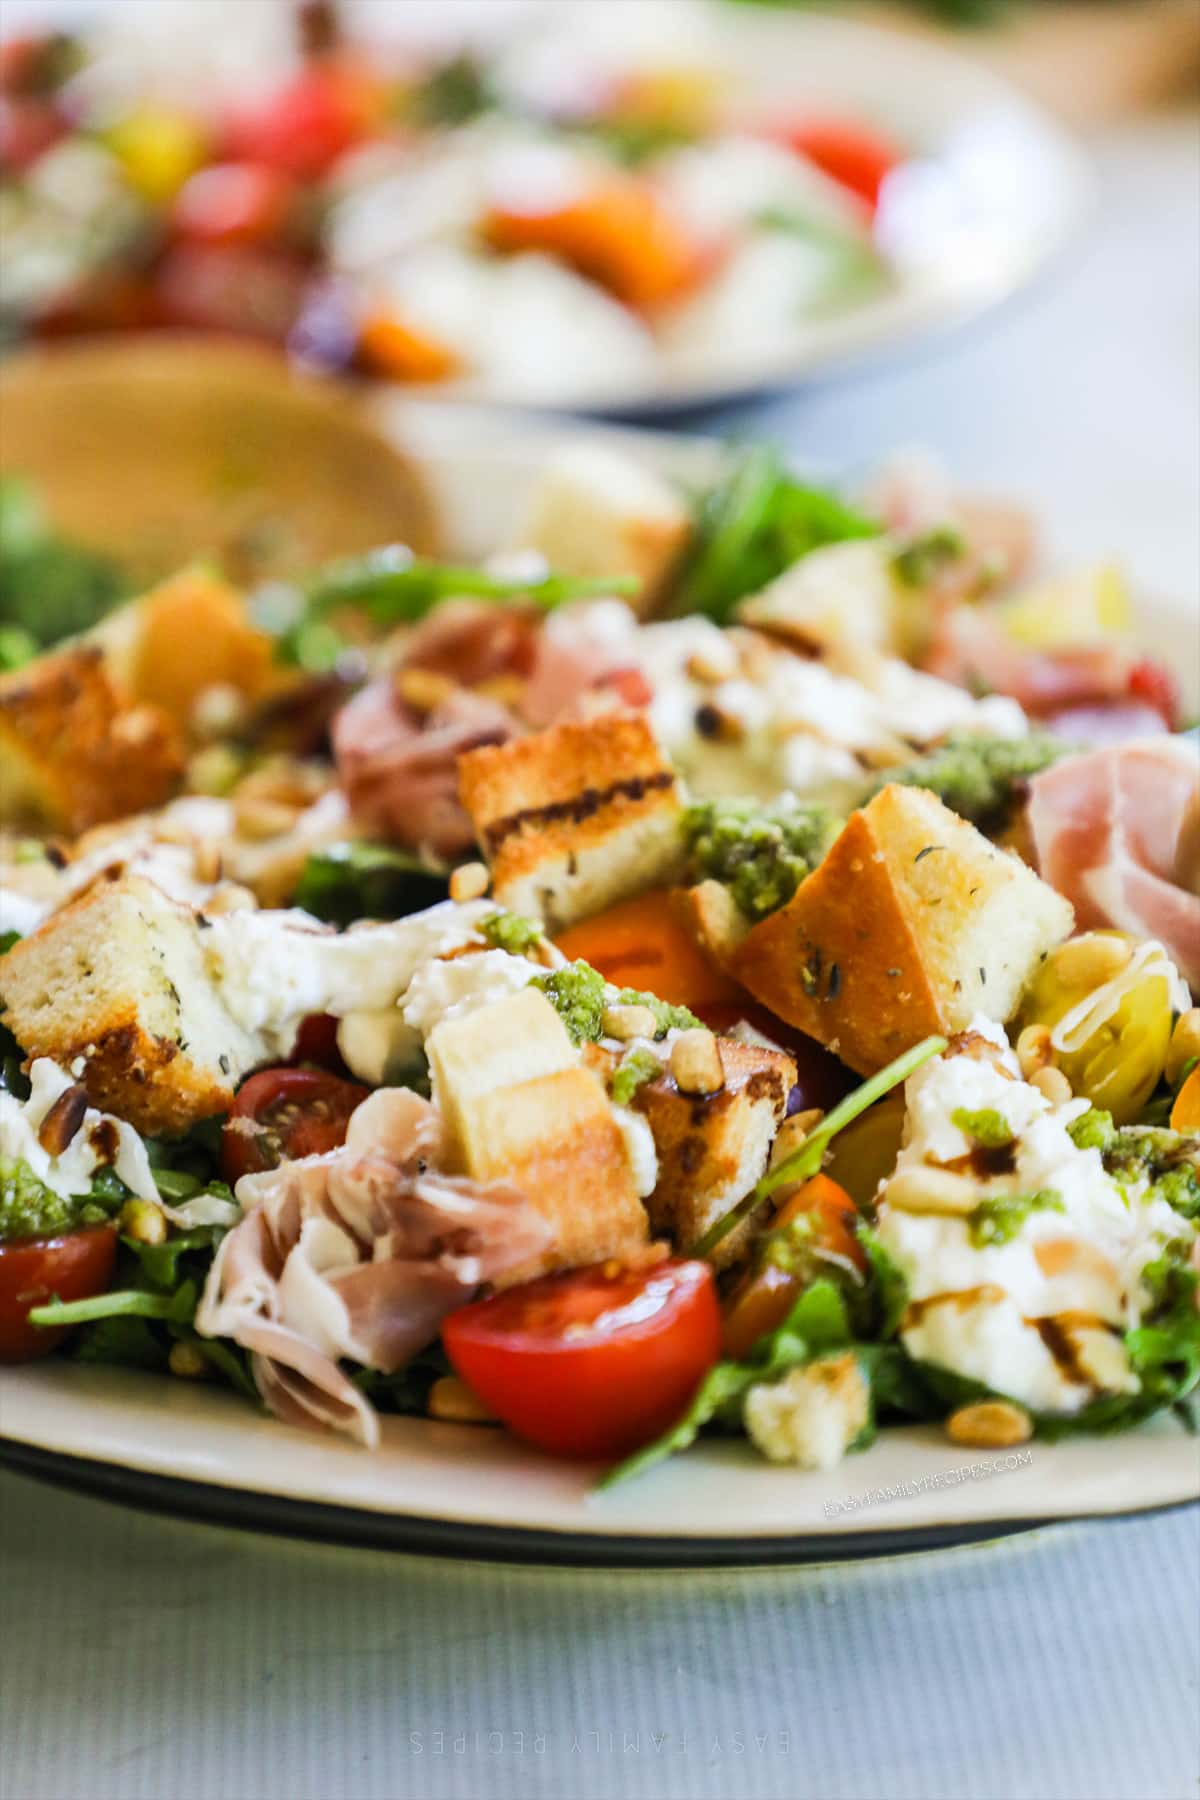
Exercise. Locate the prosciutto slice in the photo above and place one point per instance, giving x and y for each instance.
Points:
(358, 1254)
(399, 770)
(1113, 828)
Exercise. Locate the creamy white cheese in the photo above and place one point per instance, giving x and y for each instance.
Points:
(443, 989)
(1083, 1258)
(70, 1172)
(795, 724)
(640, 1149)
(274, 968)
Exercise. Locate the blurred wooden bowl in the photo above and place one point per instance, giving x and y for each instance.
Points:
(159, 450)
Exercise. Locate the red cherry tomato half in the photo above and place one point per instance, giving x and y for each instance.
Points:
(1152, 682)
(304, 127)
(316, 1042)
(35, 1270)
(282, 1114)
(594, 1362)
(851, 154)
(234, 203)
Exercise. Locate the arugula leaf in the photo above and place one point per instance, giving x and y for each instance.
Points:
(752, 525)
(394, 587)
(353, 881)
(818, 1322)
(806, 1159)
(49, 588)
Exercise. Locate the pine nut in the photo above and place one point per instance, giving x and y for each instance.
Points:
(1052, 1084)
(930, 1190)
(696, 1063)
(792, 1133)
(1034, 1050)
(628, 1022)
(206, 862)
(1185, 1043)
(452, 1400)
(186, 1361)
(990, 1425)
(259, 819)
(1089, 961)
(57, 1130)
(470, 881)
(143, 1221)
(423, 689)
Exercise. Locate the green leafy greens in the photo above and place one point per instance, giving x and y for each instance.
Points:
(49, 588)
(806, 1159)
(751, 526)
(391, 587)
(817, 1323)
(350, 881)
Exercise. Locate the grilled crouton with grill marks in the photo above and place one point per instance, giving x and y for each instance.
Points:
(575, 818)
(74, 750)
(913, 923)
(114, 987)
(711, 1151)
(523, 1108)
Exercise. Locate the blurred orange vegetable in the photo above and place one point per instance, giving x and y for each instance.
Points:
(389, 348)
(618, 235)
(761, 1300)
(641, 944)
(1185, 1114)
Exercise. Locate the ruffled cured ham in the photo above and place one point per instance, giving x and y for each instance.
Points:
(359, 1254)
(399, 767)
(1114, 830)
(501, 673)
(1103, 690)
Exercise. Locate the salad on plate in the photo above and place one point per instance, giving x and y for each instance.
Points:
(724, 963)
(565, 207)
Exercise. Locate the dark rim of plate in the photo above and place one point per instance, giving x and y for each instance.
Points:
(281, 1516)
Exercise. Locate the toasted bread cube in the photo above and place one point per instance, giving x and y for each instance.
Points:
(711, 1151)
(839, 602)
(522, 1108)
(114, 987)
(185, 636)
(596, 511)
(74, 750)
(913, 923)
(573, 819)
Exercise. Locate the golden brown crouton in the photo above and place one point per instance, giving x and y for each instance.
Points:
(575, 818)
(913, 923)
(596, 511)
(711, 1151)
(114, 987)
(74, 750)
(522, 1108)
(190, 634)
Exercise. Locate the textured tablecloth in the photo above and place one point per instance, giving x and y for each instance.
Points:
(141, 1658)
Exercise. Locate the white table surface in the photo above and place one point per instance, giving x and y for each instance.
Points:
(142, 1658)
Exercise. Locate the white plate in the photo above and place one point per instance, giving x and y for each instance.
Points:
(201, 1451)
(994, 190)
(471, 1489)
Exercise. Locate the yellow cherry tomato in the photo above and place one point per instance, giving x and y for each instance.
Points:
(865, 1153)
(157, 148)
(1114, 1054)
